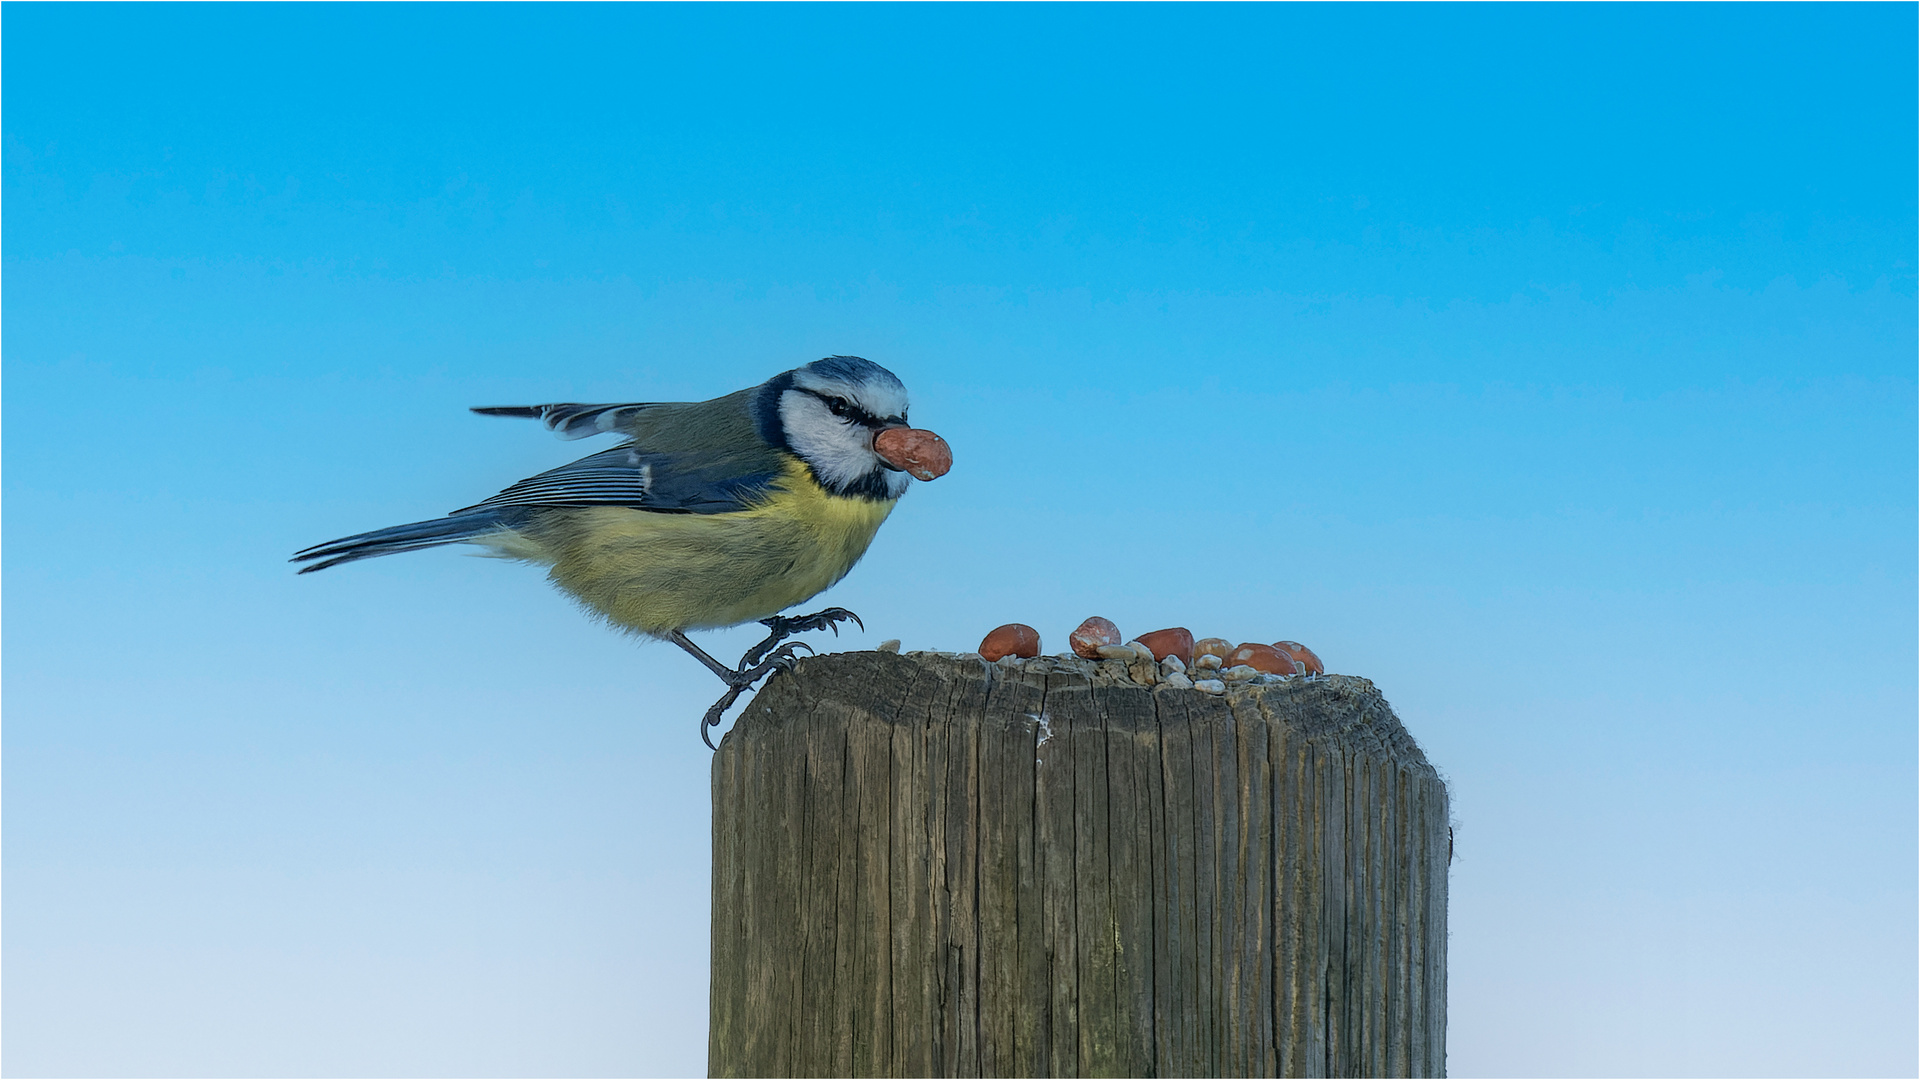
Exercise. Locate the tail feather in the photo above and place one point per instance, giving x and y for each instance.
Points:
(410, 537)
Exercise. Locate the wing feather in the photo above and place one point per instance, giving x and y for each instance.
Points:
(571, 420)
(631, 477)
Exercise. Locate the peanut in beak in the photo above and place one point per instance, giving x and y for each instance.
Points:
(919, 453)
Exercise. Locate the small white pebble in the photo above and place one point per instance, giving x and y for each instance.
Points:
(1207, 662)
(1142, 652)
(1011, 661)
(1210, 686)
(890, 645)
(1176, 680)
(1173, 664)
(1239, 673)
(1116, 652)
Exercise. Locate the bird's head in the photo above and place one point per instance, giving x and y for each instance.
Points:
(830, 414)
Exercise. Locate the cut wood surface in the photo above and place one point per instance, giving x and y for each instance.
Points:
(929, 865)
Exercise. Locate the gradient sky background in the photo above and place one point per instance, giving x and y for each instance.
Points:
(1551, 366)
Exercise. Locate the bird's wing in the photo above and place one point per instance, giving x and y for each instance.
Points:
(714, 482)
(574, 421)
(704, 457)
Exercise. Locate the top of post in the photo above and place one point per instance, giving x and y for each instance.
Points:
(915, 688)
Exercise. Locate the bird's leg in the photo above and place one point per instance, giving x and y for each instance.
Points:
(755, 666)
(738, 682)
(761, 660)
(726, 673)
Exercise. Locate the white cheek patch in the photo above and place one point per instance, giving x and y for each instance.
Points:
(839, 452)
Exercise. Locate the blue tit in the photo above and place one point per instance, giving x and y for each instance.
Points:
(710, 514)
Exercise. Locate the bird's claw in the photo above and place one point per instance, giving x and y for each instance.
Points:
(782, 660)
(819, 620)
(712, 719)
(781, 627)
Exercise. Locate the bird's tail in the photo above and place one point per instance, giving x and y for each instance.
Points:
(412, 537)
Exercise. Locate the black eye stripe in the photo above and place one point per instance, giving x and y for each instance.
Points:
(841, 407)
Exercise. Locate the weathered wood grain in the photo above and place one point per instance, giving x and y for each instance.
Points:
(928, 865)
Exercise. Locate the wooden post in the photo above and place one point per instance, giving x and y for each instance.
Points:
(929, 865)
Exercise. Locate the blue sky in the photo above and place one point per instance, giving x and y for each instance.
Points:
(1551, 366)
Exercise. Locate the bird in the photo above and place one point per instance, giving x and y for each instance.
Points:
(710, 514)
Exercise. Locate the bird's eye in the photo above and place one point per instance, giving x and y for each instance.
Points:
(838, 406)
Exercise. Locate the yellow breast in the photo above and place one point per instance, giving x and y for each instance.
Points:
(654, 572)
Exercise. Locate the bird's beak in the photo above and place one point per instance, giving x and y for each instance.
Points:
(920, 454)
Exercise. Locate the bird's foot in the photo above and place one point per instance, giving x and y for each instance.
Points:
(762, 660)
(781, 627)
(742, 680)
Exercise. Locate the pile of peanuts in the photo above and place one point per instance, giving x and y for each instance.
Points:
(1171, 656)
